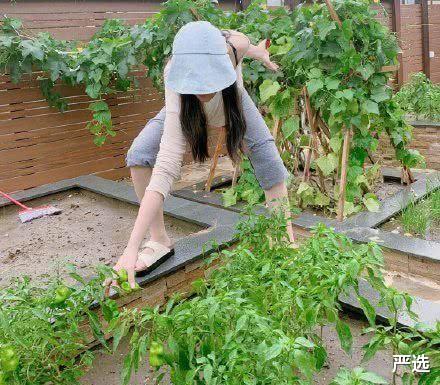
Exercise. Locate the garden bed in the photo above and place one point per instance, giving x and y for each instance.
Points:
(420, 219)
(176, 275)
(91, 230)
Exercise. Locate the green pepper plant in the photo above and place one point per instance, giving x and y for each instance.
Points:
(258, 318)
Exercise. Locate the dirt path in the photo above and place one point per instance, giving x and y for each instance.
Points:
(91, 229)
(107, 368)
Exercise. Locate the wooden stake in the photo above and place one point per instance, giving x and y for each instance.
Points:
(235, 174)
(343, 181)
(218, 149)
(407, 176)
(276, 128)
(333, 13)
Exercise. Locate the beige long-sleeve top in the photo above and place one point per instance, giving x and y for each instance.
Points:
(173, 143)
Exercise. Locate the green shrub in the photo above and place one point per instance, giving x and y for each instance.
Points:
(420, 97)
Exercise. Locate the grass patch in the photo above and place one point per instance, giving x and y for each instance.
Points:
(418, 218)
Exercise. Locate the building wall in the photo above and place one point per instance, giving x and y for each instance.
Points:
(426, 139)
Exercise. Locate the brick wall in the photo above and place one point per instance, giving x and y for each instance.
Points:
(426, 139)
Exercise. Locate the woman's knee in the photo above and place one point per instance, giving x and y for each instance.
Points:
(143, 151)
(267, 164)
(141, 154)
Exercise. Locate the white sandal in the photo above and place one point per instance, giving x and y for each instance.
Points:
(153, 259)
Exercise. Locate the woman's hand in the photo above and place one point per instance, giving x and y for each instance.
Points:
(264, 56)
(127, 261)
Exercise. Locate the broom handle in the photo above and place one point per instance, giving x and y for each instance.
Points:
(14, 201)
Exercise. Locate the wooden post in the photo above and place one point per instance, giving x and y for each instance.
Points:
(276, 128)
(397, 29)
(333, 13)
(235, 174)
(425, 39)
(343, 180)
(218, 149)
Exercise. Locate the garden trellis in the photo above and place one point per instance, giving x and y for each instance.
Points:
(343, 80)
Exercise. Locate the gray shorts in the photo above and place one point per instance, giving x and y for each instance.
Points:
(259, 144)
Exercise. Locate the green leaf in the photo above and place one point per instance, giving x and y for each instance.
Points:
(33, 49)
(370, 107)
(268, 89)
(93, 90)
(274, 351)
(320, 356)
(304, 342)
(327, 164)
(380, 94)
(353, 268)
(229, 197)
(345, 336)
(324, 27)
(368, 309)
(321, 199)
(366, 71)
(290, 126)
(372, 377)
(347, 94)
(371, 202)
(350, 208)
(335, 143)
(305, 362)
(332, 84)
(314, 85)
(98, 106)
(207, 374)
(304, 189)
(315, 73)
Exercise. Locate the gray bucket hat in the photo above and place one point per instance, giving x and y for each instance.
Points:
(200, 63)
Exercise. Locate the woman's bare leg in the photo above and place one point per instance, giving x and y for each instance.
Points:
(277, 197)
(141, 177)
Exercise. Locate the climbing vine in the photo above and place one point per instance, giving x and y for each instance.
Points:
(334, 83)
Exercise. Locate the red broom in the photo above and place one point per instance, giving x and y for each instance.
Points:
(27, 214)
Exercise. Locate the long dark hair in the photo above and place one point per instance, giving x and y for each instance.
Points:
(194, 125)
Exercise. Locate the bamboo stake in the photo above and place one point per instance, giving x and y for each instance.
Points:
(306, 175)
(235, 174)
(276, 128)
(343, 182)
(218, 149)
(333, 13)
(315, 139)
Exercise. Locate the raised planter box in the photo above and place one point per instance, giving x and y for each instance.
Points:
(177, 274)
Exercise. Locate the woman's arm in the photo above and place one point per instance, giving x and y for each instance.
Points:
(246, 49)
(166, 170)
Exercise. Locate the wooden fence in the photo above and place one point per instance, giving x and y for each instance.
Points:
(39, 145)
